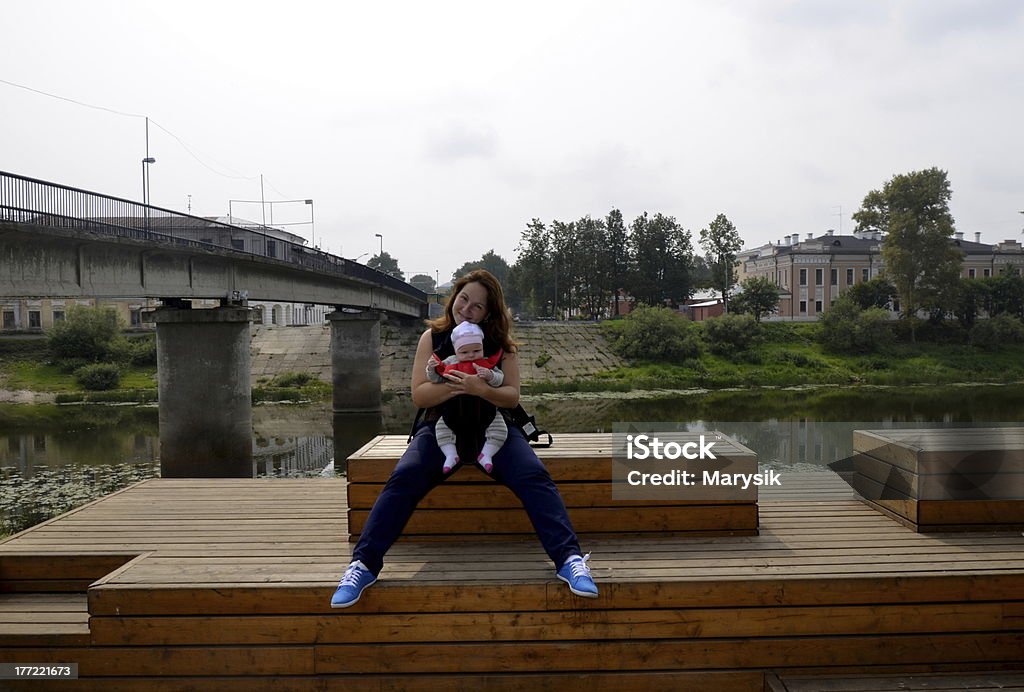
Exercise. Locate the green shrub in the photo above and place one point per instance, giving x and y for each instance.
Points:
(848, 329)
(98, 376)
(992, 333)
(542, 359)
(731, 334)
(292, 379)
(657, 334)
(135, 351)
(87, 333)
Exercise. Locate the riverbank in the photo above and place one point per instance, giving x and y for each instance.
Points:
(558, 358)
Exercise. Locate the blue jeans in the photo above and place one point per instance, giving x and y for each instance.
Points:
(419, 471)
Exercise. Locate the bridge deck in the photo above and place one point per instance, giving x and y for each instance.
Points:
(224, 584)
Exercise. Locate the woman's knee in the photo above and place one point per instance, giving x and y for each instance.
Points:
(421, 461)
(518, 462)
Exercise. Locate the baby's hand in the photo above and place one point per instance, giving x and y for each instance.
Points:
(432, 362)
(484, 374)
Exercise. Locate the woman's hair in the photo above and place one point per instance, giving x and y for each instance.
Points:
(497, 326)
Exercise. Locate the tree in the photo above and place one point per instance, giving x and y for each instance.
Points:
(759, 297)
(972, 296)
(592, 281)
(846, 328)
(721, 242)
(876, 293)
(492, 262)
(86, 333)
(617, 244)
(386, 264)
(532, 275)
(912, 209)
(1004, 294)
(662, 255)
(422, 282)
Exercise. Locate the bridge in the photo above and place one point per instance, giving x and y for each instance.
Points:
(58, 241)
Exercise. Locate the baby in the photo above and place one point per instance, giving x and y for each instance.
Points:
(468, 341)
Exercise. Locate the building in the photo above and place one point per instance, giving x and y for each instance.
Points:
(39, 314)
(811, 274)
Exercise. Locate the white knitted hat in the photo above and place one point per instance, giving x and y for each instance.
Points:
(467, 333)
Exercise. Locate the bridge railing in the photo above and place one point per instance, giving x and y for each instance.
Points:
(26, 200)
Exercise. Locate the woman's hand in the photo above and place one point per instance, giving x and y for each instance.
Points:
(462, 383)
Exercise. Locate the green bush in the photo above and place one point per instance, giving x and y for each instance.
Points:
(992, 333)
(542, 359)
(732, 334)
(848, 329)
(292, 379)
(98, 376)
(87, 333)
(135, 351)
(656, 334)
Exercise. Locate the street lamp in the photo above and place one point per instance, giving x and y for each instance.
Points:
(381, 243)
(361, 257)
(312, 224)
(145, 178)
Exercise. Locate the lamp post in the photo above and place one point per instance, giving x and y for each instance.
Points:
(145, 186)
(361, 257)
(381, 243)
(312, 224)
(145, 178)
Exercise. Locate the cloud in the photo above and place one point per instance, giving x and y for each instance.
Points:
(938, 19)
(457, 141)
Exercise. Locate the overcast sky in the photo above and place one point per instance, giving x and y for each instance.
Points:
(447, 126)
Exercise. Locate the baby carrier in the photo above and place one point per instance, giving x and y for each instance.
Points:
(464, 414)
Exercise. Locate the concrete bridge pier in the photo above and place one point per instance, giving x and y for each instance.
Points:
(355, 361)
(203, 366)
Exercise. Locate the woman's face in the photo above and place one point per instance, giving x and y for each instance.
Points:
(470, 304)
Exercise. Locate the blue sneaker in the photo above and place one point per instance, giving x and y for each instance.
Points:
(356, 578)
(576, 574)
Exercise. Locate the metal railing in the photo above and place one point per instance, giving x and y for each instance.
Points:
(26, 200)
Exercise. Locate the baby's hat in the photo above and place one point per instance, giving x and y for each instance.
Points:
(466, 333)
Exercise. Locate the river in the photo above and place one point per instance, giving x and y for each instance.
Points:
(66, 454)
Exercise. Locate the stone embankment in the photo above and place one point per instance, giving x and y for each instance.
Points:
(549, 352)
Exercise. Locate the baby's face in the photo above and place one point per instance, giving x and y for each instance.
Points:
(470, 352)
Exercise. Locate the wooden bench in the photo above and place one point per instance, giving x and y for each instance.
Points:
(950, 479)
(472, 505)
(935, 682)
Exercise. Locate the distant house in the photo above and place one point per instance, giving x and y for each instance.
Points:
(811, 274)
(703, 304)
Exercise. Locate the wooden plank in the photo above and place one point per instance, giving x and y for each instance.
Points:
(718, 681)
(994, 513)
(584, 457)
(591, 625)
(22, 566)
(606, 519)
(936, 682)
(496, 496)
(932, 451)
(161, 661)
(440, 657)
(397, 596)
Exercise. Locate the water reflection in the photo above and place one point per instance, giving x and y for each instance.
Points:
(786, 425)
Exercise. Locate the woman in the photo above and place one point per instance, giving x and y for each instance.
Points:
(476, 297)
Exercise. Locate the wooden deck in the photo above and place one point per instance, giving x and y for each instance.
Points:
(225, 585)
